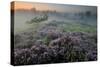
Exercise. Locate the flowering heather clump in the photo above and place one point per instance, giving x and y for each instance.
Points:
(70, 47)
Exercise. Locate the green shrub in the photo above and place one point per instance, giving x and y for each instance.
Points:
(38, 19)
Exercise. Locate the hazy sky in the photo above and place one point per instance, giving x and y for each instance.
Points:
(57, 7)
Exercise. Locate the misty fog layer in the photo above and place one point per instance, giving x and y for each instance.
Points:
(58, 35)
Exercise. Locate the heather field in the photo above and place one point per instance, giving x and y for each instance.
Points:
(45, 37)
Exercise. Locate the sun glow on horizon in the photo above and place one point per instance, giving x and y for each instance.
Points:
(22, 5)
(52, 7)
(28, 6)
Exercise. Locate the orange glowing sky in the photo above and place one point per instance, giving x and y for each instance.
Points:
(27, 6)
(57, 7)
(22, 5)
